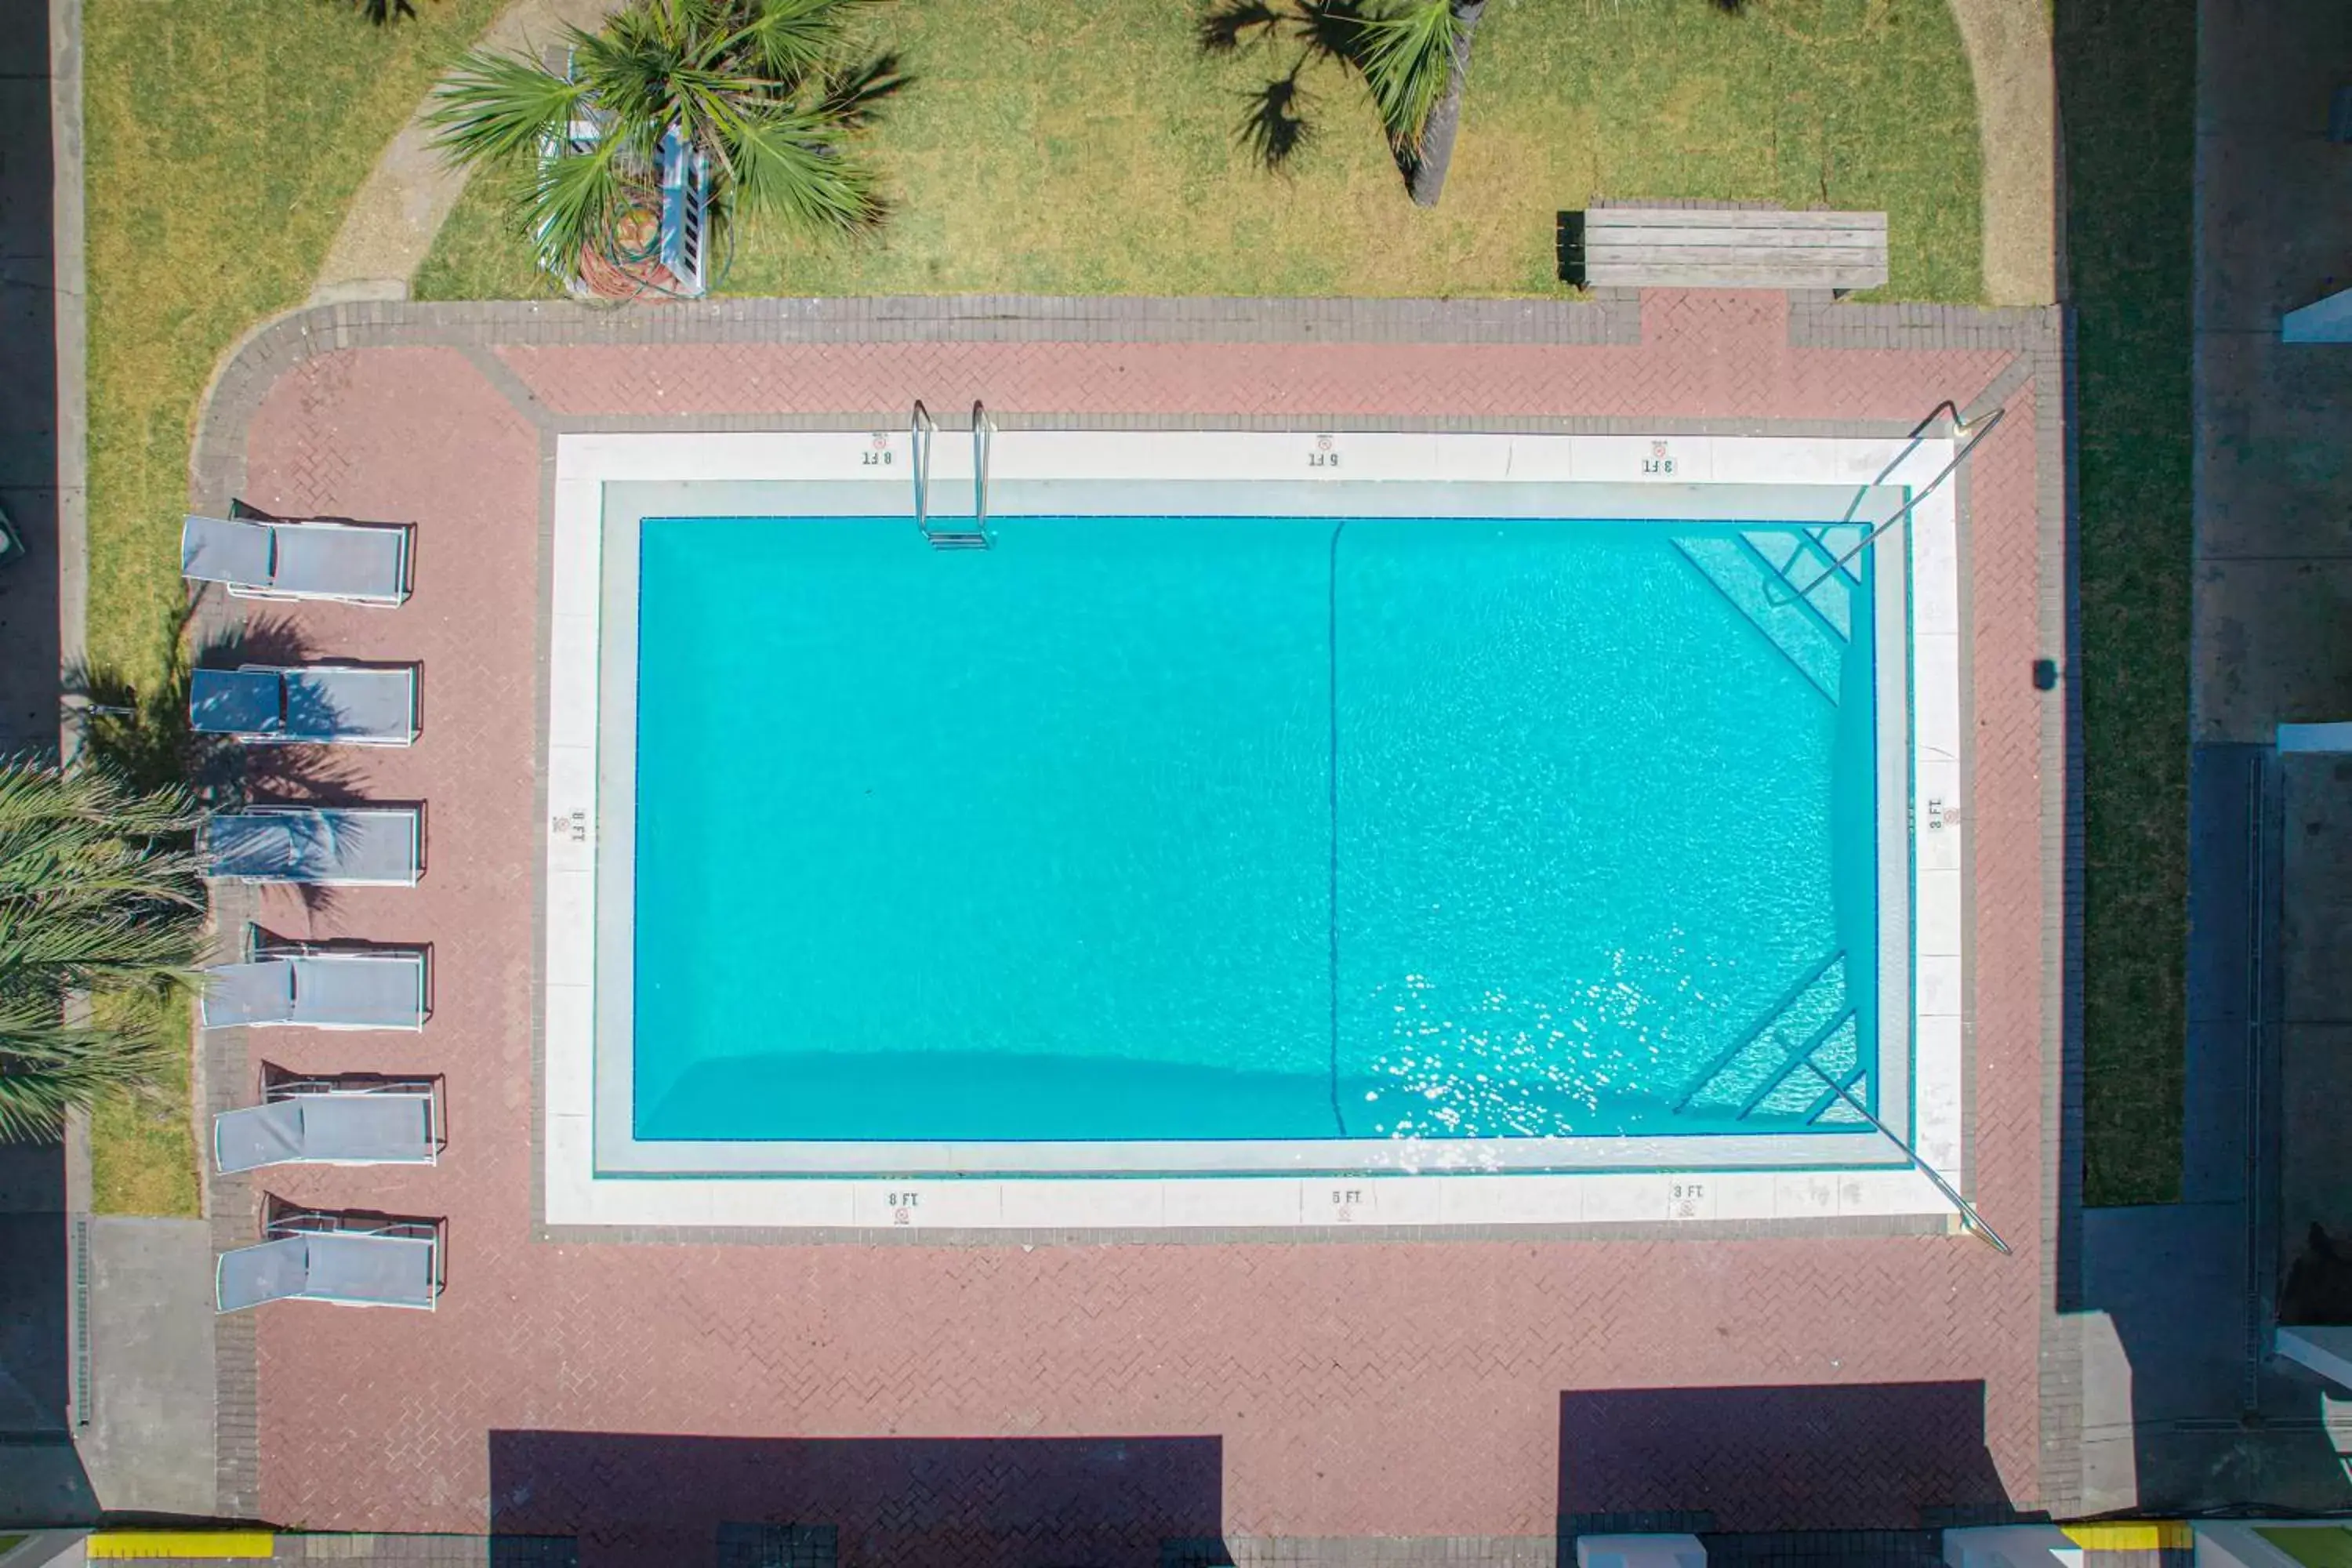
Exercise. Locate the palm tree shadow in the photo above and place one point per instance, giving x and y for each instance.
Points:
(145, 731)
(1276, 125)
(1332, 30)
(1224, 28)
(857, 93)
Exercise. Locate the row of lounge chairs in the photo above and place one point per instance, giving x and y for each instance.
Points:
(356, 1259)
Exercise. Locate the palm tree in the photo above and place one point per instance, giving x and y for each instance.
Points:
(1416, 57)
(100, 895)
(766, 91)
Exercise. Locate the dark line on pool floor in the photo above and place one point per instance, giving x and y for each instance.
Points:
(1331, 641)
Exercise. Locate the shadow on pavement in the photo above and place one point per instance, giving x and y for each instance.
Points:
(28, 385)
(1854, 1457)
(814, 1503)
(41, 1475)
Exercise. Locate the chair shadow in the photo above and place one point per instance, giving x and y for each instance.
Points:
(142, 727)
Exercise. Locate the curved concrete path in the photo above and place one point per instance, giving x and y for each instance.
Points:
(410, 191)
(2008, 45)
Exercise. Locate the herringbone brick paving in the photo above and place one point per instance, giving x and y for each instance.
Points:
(1348, 1390)
(1705, 355)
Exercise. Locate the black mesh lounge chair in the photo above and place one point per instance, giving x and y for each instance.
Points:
(373, 846)
(324, 704)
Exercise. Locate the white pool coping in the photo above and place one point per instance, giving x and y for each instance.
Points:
(1687, 1178)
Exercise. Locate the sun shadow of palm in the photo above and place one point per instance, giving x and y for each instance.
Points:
(144, 730)
(1275, 124)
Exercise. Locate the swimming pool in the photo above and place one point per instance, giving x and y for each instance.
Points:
(1225, 847)
(1250, 828)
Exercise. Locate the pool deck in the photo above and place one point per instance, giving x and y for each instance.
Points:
(1030, 1398)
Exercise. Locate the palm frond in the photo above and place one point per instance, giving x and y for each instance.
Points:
(48, 1067)
(493, 106)
(576, 203)
(788, 164)
(792, 41)
(46, 949)
(33, 792)
(1407, 57)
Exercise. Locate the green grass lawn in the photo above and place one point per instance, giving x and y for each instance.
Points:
(1043, 148)
(2126, 90)
(142, 1150)
(225, 139)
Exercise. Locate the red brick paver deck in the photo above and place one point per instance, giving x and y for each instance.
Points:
(1423, 1388)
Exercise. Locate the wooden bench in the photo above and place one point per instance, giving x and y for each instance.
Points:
(1722, 248)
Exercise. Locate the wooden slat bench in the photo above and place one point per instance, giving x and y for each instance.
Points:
(1722, 248)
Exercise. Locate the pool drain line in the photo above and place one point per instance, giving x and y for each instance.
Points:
(1332, 642)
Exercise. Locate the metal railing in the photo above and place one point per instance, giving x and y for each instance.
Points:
(984, 432)
(919, 464)
(954, 532)
(1977, 430)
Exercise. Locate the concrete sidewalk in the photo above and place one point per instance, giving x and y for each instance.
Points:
(409, 193)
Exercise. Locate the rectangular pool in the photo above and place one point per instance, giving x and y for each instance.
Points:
(1251, 831)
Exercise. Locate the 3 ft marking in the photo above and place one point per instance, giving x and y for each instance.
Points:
(1685, 1200)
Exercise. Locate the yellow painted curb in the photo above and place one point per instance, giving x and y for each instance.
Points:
(2132, 1536)
(132, 1545)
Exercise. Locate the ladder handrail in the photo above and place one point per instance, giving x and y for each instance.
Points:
(919, 439)
(984, 432)
(1979, 427)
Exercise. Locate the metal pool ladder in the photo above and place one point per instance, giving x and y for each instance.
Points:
(952, 533)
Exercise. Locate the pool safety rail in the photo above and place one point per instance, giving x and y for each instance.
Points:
(955, 532)
(1971, 430)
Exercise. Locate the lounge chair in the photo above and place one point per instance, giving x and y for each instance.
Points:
(355, 562)
(310, 1122)
(299, 985)
(265, 704)
(363, 846)
(349, 1259)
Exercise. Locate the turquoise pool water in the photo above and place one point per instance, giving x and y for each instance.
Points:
(1218, 828)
